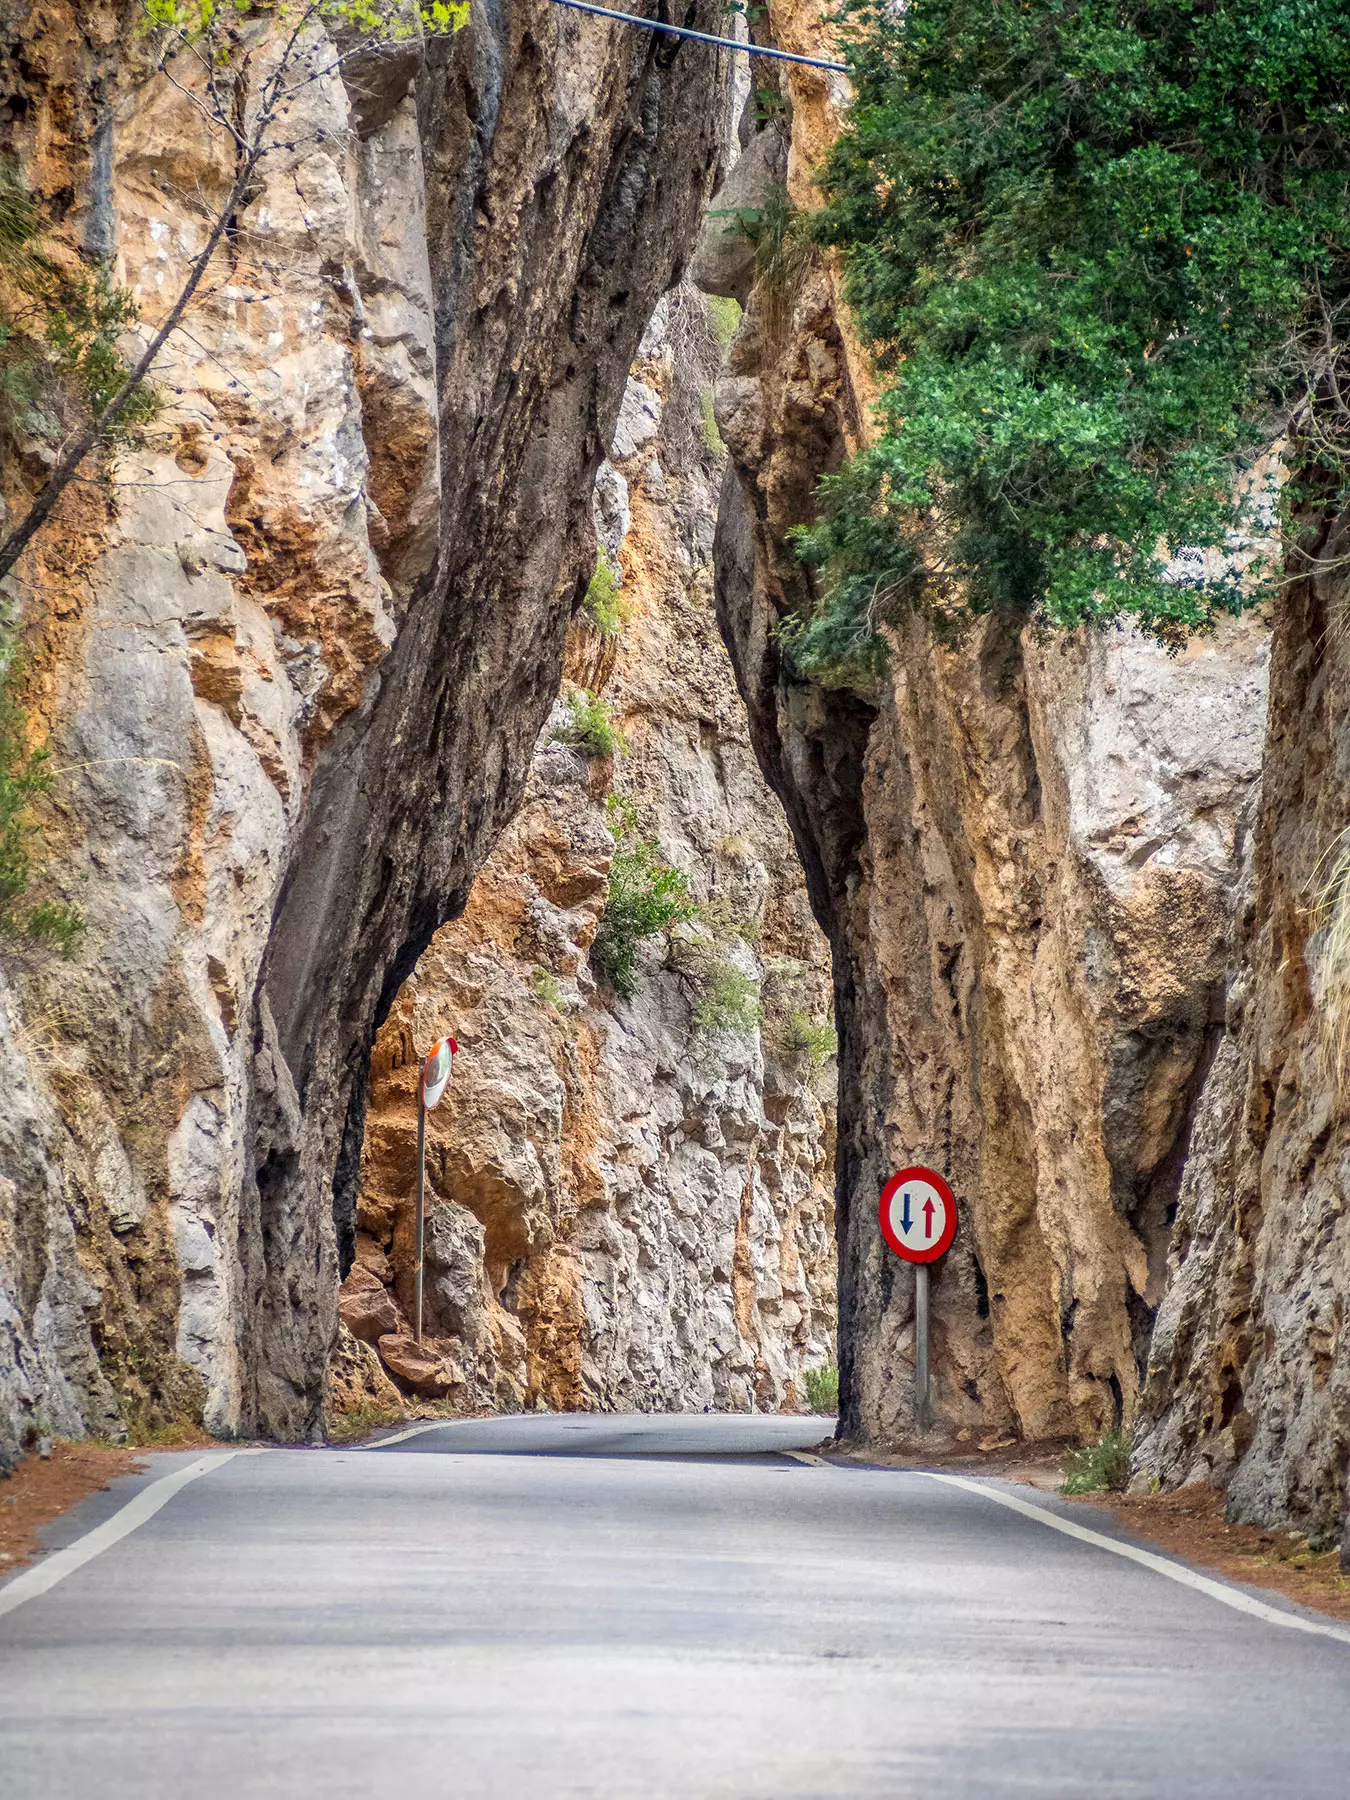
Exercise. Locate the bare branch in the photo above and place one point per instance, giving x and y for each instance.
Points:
(99, 429)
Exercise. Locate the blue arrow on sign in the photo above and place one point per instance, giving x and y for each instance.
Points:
(904, 1217)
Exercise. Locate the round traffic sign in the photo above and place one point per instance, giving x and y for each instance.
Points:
(918, 1214)
(436, 1070)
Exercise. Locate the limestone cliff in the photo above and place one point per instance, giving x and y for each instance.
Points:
(292, 655)
(1027, 854)
(1249, 1376)
(628, 1207)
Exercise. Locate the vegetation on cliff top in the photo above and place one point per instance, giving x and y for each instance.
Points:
(1101, 252)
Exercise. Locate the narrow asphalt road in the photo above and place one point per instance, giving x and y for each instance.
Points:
(626, 1607)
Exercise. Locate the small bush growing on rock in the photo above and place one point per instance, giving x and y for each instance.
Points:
(1103, 1467)
(589, 725)
(604, 602)
(545, 984)
(816, 1038)
(707, 424)
(646, 897)
(24, 774)
(725, 314)
(362, 1419)
(729, 1001)
(822, 1388)
(721, 922)
(726, 999)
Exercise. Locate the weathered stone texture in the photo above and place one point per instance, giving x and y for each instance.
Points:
(627, 1210)
(292, 663)
(1249, 1377)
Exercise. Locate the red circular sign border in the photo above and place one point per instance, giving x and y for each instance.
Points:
(917, 1172)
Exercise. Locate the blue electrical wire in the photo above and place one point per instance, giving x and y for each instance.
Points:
(702, 37)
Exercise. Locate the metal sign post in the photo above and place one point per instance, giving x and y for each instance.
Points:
(432, 1081)
(921, 1346)
(918, 1222)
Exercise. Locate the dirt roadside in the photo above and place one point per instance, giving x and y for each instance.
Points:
(1187, 1523)
(42, 1488)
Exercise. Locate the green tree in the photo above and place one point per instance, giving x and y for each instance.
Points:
(1100, 250)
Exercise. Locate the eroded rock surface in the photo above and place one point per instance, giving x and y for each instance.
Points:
(1249, 1376)
(627, 1209)
(292, 661)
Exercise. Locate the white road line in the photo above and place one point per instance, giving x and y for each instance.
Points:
(1161, 1565)
(137, 1510)
(401, 1437)
(805, 1456)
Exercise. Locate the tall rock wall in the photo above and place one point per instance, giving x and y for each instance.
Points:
(1249, 1375)
(291, 657)
(1089, 909)
(1028, 853)
(627, 1208)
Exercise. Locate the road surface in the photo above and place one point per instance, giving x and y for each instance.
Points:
(540, 1607)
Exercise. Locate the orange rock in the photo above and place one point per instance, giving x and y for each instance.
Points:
(418, 1366)
(367, 1309)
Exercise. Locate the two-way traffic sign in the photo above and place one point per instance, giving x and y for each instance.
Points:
(918, 1221)
(918, 1215)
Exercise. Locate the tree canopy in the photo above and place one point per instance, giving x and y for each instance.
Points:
(1100, 251)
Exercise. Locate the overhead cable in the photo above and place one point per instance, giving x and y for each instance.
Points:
(702, 37)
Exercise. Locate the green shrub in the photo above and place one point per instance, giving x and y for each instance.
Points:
(56, 927)
(816, 1039)
(725, 316)
(363, 1418)
(545, 983)
(707, 424)
(1103, 1467)
(781, 235)
(822, 1388)
(771, 106)
(728, 1001)
(646, 897)
(589, 726)
(87, 316)
(604, 602)
(59, 328)
(1099, 253)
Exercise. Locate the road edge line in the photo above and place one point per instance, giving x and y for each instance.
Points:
(1161, 1565)
(808, 1457)
(401, 1437)
(43, 1576)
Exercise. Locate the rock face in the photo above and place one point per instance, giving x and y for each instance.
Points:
(1027, 854)
(1249, 1377)
(628, 1208)
(293, 658)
